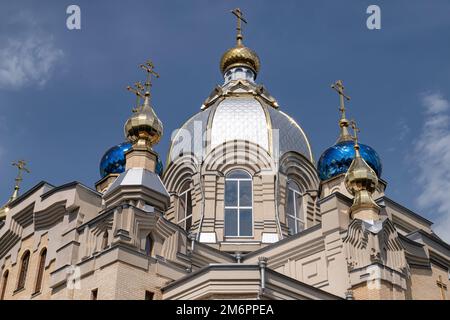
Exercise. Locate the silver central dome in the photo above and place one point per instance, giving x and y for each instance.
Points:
(240, 117)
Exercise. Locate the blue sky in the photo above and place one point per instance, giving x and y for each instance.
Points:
(63, 100)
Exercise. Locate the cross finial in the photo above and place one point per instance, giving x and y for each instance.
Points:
(355, 133)
(339, 87)
(21, 166)
(148, 67)
(240, 17)
(143, 91)
(137, 89)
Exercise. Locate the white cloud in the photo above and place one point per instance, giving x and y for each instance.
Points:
(28, 61)
(435, 103)
(403, 130)
(432, 157)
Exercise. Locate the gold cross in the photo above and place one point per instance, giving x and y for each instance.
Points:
(355, 131)
(442, 286)
(240, 17)
(137, 90)
(339, 87)
(138, 85)
(148, 67)
(21, 166)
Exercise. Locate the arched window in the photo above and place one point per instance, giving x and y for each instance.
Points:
(105, 239)
(185, 206)
(149, 245)
(238, 204)
(23, 270)
(294, 212)
(41, 268)
(4, 284)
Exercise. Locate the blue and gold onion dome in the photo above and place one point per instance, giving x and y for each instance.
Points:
(113, 161)
(337, 159)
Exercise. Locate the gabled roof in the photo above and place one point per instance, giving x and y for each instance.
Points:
(68, 186)
(407, 211)
(228, 273)
(29, 192)
(420, 234)
(48, 191)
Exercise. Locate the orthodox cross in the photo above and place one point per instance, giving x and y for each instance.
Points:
(240, 17)
(442, 286)
(137, 90)
(355, 131)
(148, 67)
(339, 87)
(21, 166)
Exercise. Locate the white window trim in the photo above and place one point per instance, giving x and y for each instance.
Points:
(238, 208)
(180, 196)
(299, 216)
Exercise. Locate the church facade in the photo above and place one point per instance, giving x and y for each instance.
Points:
(241, 210)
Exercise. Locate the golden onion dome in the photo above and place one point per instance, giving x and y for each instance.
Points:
(360, 176)
(143, 127)
(240, 56)
(361, 181)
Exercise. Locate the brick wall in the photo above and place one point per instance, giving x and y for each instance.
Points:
(423, 284)
(380, 290)
(30, 282)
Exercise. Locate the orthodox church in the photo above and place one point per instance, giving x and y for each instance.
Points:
(240, 210)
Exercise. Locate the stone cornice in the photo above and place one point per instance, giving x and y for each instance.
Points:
(271, 279)
(29, 193)
(68, 186)
(283, 241)
(407, 211)
(337, 195)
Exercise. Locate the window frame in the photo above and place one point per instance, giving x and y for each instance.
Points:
(149, 245)
(23, 272)
(5, 278)
(40, 271)
(184, 193)
(238, 207)
(94, 294)
(298, 216)
(105, 240)
(149, 295)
